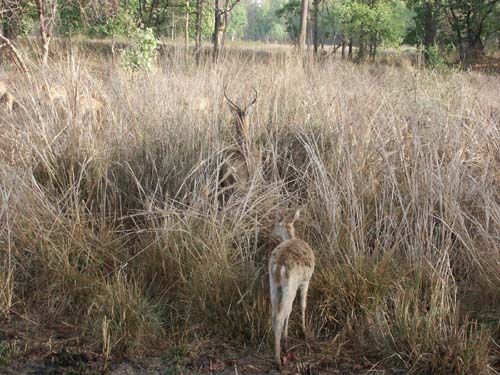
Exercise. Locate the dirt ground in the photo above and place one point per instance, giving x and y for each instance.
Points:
(27, 349)
(231, 362)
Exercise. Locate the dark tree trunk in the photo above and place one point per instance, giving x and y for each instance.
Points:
(316, 26)
(467, 21)
(361, 51)
(473, 51)
(223, 29)
(429, 28)
(152, 11)
(217, 35)
(349, 54)
(343, 48)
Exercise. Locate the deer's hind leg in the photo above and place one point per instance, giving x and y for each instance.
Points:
(278, 328)
(303, 304)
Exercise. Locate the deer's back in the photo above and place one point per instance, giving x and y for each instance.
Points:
(292, 257)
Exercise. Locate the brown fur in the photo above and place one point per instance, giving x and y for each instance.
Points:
(9, 101)
(90, 104)
(293, 253)
(54, 92)
(3, 88)
(291, 266)
(235, 169)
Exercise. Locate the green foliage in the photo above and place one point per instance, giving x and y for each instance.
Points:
(290, 13)
(492, 23)
(237, 22)
(24, 19)
(470, 23)
(434, 59)
(100, 21)
(277, 32)
(7, 353)
(263, 21)
(71, 18)
(141, 54)
(207, 22)
(383, 24)
(120, 25)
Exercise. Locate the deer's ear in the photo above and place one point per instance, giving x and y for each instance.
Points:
(280, 216)
(250, 106)
(249, 109)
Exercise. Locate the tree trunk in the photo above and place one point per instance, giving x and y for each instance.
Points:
(186, 26)
(361, 51)
(304, 9)
(343, 48)
(223, 26)
(221, 19)
(429, 29)
(46, 26)
(474, 50)
(216, 34)
(349, 54)
(199, 16)
(315, 26)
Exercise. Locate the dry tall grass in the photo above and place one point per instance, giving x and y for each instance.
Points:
(110, 223)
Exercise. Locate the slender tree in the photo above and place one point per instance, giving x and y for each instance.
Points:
(199, 18)
(221, 15)
(316, 26)
(304, 11)
(186, 24)
(47, 12)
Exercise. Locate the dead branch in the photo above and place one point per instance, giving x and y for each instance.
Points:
(13, 54)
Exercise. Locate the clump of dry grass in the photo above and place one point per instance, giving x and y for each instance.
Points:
(112, 222)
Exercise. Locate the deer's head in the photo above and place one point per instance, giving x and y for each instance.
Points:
(283, 226)
(242, 118)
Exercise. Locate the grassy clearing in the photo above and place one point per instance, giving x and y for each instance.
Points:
(110, 223)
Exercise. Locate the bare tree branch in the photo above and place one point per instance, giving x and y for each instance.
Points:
(14, 54)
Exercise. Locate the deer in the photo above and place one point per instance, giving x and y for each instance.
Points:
(54, 93)
(291, 266)
(90, 104)
(199, 104)
(58, 95)
(237, 164)
(7, 99)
